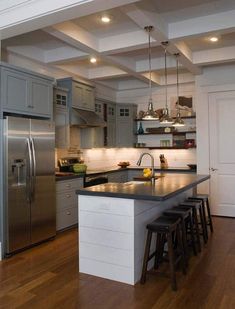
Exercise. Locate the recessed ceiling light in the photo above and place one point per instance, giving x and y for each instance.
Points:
(93, 60)
(105, 19)
(214, 39)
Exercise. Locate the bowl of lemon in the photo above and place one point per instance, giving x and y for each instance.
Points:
(147, 173)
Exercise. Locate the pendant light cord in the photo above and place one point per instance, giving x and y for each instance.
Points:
(166, 80)
(150, 69)
(177, 81)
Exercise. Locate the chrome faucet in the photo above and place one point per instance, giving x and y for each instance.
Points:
(152, 164)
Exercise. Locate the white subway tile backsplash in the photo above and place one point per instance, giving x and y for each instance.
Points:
(100, 158)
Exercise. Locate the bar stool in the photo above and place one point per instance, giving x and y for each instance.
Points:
(188, 205)
(186, 216)
(205, 201)
(166, 228)
(202, 221)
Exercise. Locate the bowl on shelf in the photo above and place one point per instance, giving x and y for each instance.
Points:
(123, 164)
(192, 166)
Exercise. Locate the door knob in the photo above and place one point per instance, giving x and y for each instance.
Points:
(213, 169)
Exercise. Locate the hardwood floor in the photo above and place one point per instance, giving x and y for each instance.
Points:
(47, 276)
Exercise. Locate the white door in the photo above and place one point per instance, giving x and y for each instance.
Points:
(222, 152)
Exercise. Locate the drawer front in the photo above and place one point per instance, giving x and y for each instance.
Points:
(69, 184)
(66, 199)
(66, 218)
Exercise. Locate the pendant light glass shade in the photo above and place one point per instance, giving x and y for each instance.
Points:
(178, 120)
(150, 114)
(166, 115)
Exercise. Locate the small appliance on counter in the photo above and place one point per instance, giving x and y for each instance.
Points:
(67, 165)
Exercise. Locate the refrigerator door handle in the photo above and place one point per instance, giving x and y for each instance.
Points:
(34, 168)
(30, 169)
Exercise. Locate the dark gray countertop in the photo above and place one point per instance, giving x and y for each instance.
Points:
(165, 187)
(118, 169)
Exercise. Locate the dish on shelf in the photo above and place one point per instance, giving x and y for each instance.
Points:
(123, 164)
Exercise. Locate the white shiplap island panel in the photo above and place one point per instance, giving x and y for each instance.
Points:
(112, 233)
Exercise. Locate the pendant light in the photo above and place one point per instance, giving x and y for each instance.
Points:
(178, 120)
(150, 114)
(166, 119)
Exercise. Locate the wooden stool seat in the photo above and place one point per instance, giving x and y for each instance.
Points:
(163, 223)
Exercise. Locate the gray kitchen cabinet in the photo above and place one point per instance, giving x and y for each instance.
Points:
(25, 92)
(111, 125)
(65, 135)
(62, 130)
(80, 95)
(61, 118)
(67, 203)
(125, 125)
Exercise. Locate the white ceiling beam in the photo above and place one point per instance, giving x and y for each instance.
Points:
(63, 54)
(156, 64)
(31, 52)
(129, 66)
(73, 69)
(77, 37)
(33, 15)
(74, 36)
(197, 26)
(105, 72)
(156, 79)
(124, 42)
(214, 56)
(146, 17)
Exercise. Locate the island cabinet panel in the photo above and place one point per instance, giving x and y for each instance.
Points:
(120, 176)
(26, 93)
(112, 234)
(66, 203)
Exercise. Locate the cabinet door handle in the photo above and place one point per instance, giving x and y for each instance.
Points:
(68, 185)
(68, 195)
(68, 213)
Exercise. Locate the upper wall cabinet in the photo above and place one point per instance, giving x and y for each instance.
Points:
(80, 95)
(125, 125)
(27, 93)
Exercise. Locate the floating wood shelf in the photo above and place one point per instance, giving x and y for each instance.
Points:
(163, 133)
(171, 147)
(183, 117)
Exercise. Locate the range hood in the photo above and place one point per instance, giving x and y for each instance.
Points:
(86, 119)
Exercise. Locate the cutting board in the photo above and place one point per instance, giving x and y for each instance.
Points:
(142, 178)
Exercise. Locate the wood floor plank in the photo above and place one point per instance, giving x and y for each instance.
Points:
(47, 277)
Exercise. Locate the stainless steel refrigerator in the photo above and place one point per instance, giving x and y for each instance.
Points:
(29, 182)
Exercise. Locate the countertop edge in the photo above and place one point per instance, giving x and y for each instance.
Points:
(143, 197)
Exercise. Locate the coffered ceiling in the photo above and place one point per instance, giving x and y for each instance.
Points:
(120, 46)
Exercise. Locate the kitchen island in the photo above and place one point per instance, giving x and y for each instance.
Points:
(113, 219)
